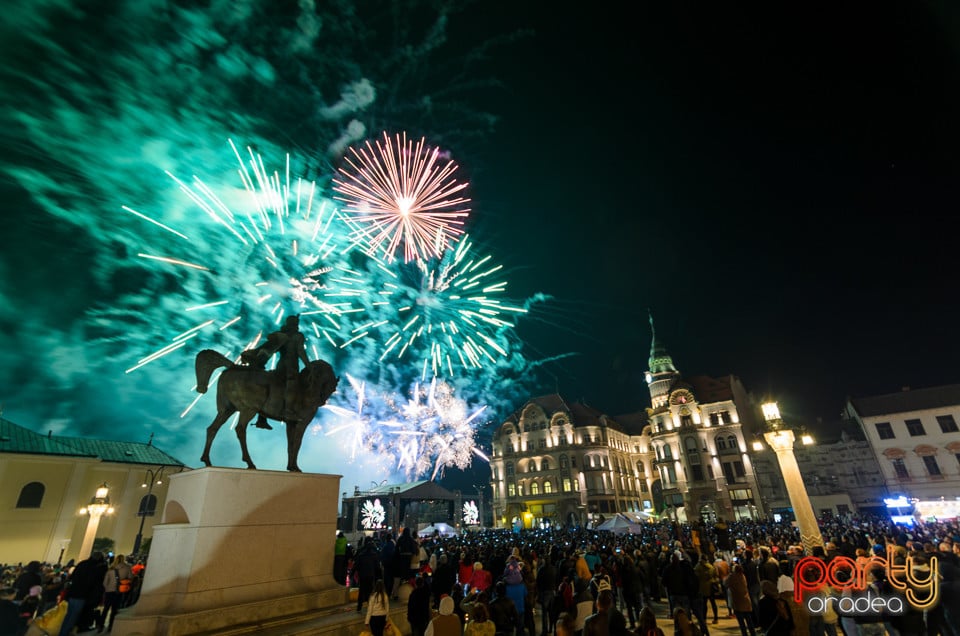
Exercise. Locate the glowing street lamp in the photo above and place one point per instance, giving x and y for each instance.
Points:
(99, 505)
(148, 503)
(781, 438)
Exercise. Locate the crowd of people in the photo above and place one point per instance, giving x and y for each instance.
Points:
(56, 599)
(584, 582)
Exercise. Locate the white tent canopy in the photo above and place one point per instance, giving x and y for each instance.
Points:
(443, 528)
(620, 524)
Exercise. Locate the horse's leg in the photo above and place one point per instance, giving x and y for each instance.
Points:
(295, 433)
(218, 421)
(245, 417)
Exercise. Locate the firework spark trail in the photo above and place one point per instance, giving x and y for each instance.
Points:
(449, 314)
(422, 434)
(397, 194)
(298, 255)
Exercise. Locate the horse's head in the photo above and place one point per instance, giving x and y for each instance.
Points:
(320, 381)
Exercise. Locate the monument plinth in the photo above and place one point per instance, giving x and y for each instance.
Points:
(236, 546)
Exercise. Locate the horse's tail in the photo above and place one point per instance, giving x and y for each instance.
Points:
(207, 361)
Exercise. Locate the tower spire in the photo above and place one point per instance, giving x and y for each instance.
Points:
(660, 360)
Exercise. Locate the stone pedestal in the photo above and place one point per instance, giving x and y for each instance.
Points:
(237, 546)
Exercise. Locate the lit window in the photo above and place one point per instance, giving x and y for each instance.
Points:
(547, 487)
(534, 488)
(511, 490)
(566, 484)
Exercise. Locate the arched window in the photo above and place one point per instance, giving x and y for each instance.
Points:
(547, 487)
(691, 444)
(640, 468)
(721, 444)
(534, 488)
(148, 506)
(545, 464)
(31, 495)
(563, 461)
(667, 453)
(732, 443)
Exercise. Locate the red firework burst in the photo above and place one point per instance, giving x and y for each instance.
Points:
(396, 192)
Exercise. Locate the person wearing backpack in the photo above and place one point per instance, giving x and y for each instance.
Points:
(775, 617)
(516, 587)
(116, 585)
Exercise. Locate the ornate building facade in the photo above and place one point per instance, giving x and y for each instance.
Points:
(567, 463)
(915, 436)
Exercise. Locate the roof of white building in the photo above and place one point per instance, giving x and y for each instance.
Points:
(908, 400)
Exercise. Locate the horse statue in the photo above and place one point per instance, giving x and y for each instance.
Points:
(254, 391)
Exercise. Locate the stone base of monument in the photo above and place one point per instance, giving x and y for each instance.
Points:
(238, 548)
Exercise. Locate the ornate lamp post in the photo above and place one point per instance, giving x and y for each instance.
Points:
(150, 480)
(781, 438)
(99, 505)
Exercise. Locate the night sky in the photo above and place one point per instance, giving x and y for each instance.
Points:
(775, 184)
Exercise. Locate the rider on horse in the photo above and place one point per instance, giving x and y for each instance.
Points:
(291, 345)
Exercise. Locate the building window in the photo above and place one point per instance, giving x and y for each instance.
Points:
(509, 469)
(563, 461)
(545, 464)
(691, 444)
(640, 468)
(566, 484)
(738, 469)
(643, 486)
(947, 423)
(511, 490)
(884, 430)
(573, 462)
(667, 453)
(534, 488)
(714, 419)
(148, 506)
(900, 468)
(697, 473)
(732, 443)
(31, 495)
(542, 443)
(520, 490)
(548, 487)
(686, 420)
(709, 471)
(933, 468)
(721, 444)
(915, 428)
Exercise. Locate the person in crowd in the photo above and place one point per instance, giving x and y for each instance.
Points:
(481, 579)
(367, 564)
(565, 625)
(682, 625)
(378, 607)
(116, 583)
(546, 594)
(446, 623)
(583, 604)
(340, 559)
(516, 586)
(443, 579)
(647, 623)
(606, 621)
(84, 593)
(11, 623)
(736, 582)
(708, 583)
(680, 582)
(28, 578)
(419, 608)
(503, 612)
(775, 617)
(480, 623)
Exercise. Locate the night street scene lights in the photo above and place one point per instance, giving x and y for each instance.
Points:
(781, 437)
(148, 504)
(99, 505)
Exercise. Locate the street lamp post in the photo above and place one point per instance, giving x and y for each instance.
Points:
(151, 479)
(99, 505)
(781, 439)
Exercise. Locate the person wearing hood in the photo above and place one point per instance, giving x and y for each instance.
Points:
(446, 623)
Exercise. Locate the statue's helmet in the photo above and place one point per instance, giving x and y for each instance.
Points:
(292, 323)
